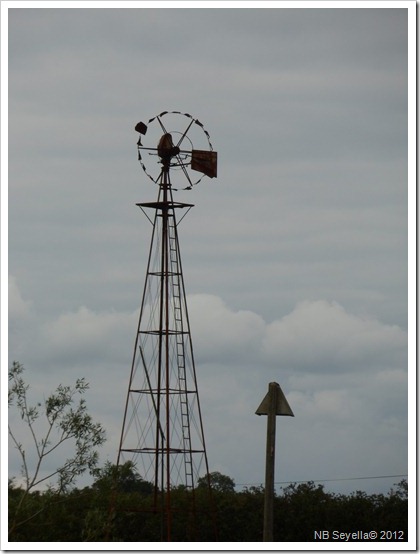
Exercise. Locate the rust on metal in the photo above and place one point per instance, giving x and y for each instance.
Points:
(204, 161)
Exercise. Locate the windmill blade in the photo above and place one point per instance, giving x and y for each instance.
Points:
(185, 133)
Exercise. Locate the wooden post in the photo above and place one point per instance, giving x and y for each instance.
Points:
(274, 404)
(269, 464)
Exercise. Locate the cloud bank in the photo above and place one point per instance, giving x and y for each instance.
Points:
(343, 374)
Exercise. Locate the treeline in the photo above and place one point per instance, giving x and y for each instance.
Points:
(300, 511)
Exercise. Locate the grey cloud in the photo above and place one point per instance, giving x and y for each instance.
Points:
(18, 307)
(237, 354)
(321, 335)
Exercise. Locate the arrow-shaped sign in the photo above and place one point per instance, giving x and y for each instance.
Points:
(273, 404)
(282, 406)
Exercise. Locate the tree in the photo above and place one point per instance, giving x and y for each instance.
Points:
(64, 421)
(301, 509)
(121, 505)
(218, 482)
(124, 477)
(402, 490)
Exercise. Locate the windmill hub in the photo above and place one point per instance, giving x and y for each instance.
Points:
(166, 149)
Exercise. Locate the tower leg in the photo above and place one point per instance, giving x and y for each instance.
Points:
(162, 434)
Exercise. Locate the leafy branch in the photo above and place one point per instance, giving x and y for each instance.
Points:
(66, 420)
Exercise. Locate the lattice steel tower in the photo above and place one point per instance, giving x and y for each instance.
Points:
(162, 433)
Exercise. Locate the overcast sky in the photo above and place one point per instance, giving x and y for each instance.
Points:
(294, 258)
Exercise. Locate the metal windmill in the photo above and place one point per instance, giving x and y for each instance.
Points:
(162, 432)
